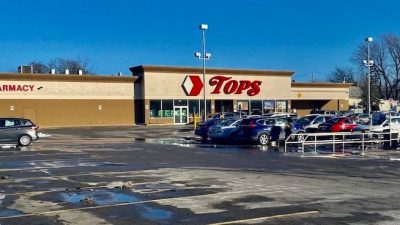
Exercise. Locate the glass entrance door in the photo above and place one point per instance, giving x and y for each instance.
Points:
(181, 114)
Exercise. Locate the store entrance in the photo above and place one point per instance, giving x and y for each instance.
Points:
(181, 115)
(223, 106)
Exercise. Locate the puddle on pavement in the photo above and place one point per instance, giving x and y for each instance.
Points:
(98, 196)
(4, 212)
(151, 213)
(55, 164)
(101, 197)
(191, 143)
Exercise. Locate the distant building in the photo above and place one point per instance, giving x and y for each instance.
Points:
(355, 94)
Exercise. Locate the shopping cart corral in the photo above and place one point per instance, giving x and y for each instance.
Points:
(343, 141)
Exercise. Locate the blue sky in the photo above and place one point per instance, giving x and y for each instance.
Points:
(304, 36)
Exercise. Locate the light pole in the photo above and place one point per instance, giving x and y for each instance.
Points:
(204, 56)
(368, 63)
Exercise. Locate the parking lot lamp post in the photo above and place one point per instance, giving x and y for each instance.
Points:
(204, 56)
(368, 63)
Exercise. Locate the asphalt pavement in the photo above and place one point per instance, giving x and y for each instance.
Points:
(162, 175)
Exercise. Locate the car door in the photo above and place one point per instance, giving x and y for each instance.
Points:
(317, 121)
(395, 124)
(281, 123)
(9, 132)
(349, 124)
(3, 133)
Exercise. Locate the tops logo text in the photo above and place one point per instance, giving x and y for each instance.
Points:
(193, 85)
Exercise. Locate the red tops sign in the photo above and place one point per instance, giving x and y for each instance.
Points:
(192, 85)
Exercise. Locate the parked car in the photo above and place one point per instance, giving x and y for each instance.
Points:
(311, 123)
(225, 115)
(262, 130)
(362, 117)
(224, 130)
(380, 117)
(203, 127)
(383, 126)
(326, 112)
(339, 124)
(18, 131)
(292, 115)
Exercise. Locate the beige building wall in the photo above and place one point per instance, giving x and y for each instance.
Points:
(67, 112)
(319, 92)
(68, 100)
(162, 85)
(324, 96)
(66, 90)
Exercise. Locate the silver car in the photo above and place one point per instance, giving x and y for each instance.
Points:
(17, 131)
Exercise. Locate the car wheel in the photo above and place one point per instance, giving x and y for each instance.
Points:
(263, 139)
(24, 140)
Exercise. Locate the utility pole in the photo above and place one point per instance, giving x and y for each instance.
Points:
(312, 77)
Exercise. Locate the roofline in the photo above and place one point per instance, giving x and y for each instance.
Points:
(138, 70)
(63, 77)
(322, 85)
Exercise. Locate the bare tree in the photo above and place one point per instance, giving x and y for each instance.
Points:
(342, 74)
(39, 67)
(73, 65)
(62, 64)
(385, 72)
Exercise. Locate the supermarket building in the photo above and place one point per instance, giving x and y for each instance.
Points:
(160, 95)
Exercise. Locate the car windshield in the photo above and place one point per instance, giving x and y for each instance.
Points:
(269, 122)
(227, 122)
(305, 120)
(332, 121)
(378, 119)
(246, 122)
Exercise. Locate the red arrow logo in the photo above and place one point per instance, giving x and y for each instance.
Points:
(192, 85)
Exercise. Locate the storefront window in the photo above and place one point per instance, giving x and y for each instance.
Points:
(193, 107)
(167, 108)
(243, 106)
(256, 107)
(208, 107)
(281, 106)
(155, 108)
(269, 106)
(180, 102)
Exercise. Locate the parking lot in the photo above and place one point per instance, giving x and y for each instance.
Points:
(161, 175)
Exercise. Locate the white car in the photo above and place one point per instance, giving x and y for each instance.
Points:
(394, 125)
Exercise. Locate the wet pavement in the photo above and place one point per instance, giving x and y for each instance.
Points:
(163, 175)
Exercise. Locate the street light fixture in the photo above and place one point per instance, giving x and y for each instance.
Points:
(368, 63)
(203, 56)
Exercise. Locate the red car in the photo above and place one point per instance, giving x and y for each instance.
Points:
(338, 124)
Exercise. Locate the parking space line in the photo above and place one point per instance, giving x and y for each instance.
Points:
(260, 219)
(93, 160)
(165, 200)
(133, 172)
(32, 193)
(41, 155)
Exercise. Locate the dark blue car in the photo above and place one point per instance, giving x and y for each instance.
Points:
(203, 127)
(263, 130)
